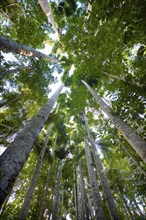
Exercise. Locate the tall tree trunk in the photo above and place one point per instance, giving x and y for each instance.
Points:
(126, 205)
(93, 184)
(48, 12)
(90, 206)
(132, 138)
(55, 210)
(83, 194)
(103, 178)
(123, 79)
(43, 204)
(14, 157)
(79, 208)
(16, 70)
(7, 45)
(25, 208)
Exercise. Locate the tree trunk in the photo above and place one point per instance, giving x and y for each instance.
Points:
(125, 202)
(79, 208)
(132, 138)
(48, 12)
(103, 178)
(16, 70)
(43, 204)
(55, 210)
(93, 184)
(25, 208)
(83, 194)
(7, 45)
(14, 157)
(123, 79)
(90, 206)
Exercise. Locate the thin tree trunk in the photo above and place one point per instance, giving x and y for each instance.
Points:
(132, 138)
(90, 206)
(14, 157)
(103, 178)
(123, 79)
(93, 184)
(7, 45)
(16, 70)
(48, 12)
(75, 193)
(55, 210)
(43, 204)
(25, 208)
(125, 202)
(79, 215)
(83, 194)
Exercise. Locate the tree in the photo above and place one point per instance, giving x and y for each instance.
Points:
(93, 184)
(133, 139)
(25, 208)
(48, 12)
(55, 210)
(8, 45)
(103, 178)
(19, 150)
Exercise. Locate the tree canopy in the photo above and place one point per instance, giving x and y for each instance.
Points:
(97, 44)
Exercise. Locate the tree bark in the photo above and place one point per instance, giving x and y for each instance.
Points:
(48, 12)
(90, 206)
(132, 138)
(7, 45)
(25, 208)
(126, 205)
(83, 194)
(55, 210)
(43, 204)
(12, 160)
(103, 178)
(93, 184)
(79, 208)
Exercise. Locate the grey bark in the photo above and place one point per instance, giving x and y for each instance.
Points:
(132, 138)
(103, 178)
(43, 204)
(48, 12)
(7, 45)
(25, 207)
(90, 206)
(126, 205)
(55, 210)
(93, 184)
(123, 79)
(13, 71)
(83, 194)
(79, 208)
(12, 160)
